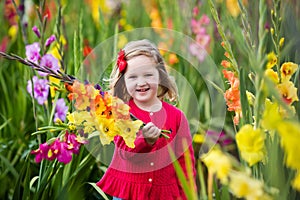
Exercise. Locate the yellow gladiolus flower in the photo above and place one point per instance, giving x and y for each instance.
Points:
(198, 138)
(128, 129)
(243, 186)
(54, 50)
(107, 130)
(270, 73)
(296, 181)
(281, 42)
(290, 133)
(250, 142)
(272, 60)
(233, 7)
(271, 116)
(78, 117)
(217, 162)
(288, 92)
(287, 69)
(12, 32)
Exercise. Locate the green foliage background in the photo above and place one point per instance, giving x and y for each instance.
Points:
(20, 115)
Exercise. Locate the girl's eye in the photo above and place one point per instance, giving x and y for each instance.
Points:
(148, 75)
(132, 77)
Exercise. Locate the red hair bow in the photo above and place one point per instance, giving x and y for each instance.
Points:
(121, 62)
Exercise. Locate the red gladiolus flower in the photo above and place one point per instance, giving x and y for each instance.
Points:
(121, 62)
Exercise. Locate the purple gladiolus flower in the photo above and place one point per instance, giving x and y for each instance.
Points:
(48, 61)
(41, 153)
(49, 41)
(60, 110)
(36, 31)
(40, 87)
(33, 52)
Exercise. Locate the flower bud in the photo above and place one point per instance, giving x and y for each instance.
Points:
(281, 42)
(36, 31)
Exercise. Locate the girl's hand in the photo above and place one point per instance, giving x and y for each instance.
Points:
(151, 133)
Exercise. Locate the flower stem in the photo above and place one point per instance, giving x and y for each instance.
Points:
(163, 131)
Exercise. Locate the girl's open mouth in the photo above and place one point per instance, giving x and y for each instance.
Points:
(142, 90)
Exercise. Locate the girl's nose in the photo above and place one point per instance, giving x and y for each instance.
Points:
(141, 82)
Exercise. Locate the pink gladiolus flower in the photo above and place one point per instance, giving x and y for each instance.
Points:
(40, 87)
(41, 152)
(204, 20)
(49, 61)
(65, 155)
(33, 52)
(198, 51)
(49, 41)
(54, 150)
(74, 142)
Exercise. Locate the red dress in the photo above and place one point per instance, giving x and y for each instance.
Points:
(146, 171)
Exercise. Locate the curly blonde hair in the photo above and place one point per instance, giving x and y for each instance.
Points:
(167, 87)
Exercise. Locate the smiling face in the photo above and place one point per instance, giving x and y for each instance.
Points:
(141, 80)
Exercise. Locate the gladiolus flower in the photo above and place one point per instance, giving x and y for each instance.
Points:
(281, 42)
(288, 132)
(296, 181)
(33, 52)
(41, 152)
(198, 138)
(270, 73)
(65, 155)
(50, 40)
(243, 186)
(36, 31)
(40, 87)
(287, 69)
(271, 116)
(54, 150)
(218, 163)
(232, 95)
(198, 50)
(225, 63)
(128, 130)
(272, 60)
(49, 61)
(288, 92)
(78, 117)
(60, 110)
(107, 130)
(250, 142)
(233, 7)
(173, 59)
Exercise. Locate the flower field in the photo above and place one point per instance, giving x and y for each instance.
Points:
(236, 65)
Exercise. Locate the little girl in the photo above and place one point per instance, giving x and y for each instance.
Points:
(146, 171)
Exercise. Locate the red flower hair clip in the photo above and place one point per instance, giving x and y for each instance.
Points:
(121, 62)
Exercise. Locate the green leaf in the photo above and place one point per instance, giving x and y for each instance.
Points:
(4, 124)
(99, 190)
(188, 190)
